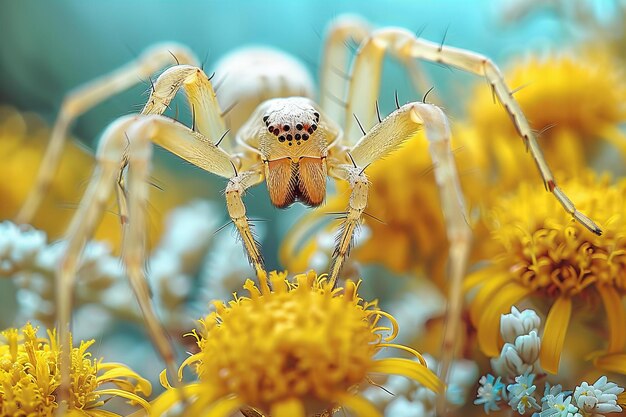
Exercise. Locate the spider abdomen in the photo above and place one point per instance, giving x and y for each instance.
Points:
(303, 180)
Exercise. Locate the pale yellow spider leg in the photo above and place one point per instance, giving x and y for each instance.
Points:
(235, 190)
(206, 113)
(336, 79)
(402, 43)
(334, 75)
(87, 96)
(386, 136)
(356, 206)
(111, 157)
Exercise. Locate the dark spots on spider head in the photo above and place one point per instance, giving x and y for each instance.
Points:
(292, 129)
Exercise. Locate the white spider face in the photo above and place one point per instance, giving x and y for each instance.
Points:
(292, 137)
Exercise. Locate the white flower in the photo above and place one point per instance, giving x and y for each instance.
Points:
(518, 323)
(599, 398)
(558, 406)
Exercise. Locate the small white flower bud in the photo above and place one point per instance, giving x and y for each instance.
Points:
(518, 323)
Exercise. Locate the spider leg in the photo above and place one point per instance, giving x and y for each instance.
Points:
(334, 74)
(235, 190)
(404, 44)
(404, 123)
(86, 97)
(356, 206)
(127, 141)
(336, 79)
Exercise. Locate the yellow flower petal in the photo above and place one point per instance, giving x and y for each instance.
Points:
(477, 278)
(172, 396)
(118, 370)
(485, 294)
(615, 362)
(409, 369)
(288, 408)
(554, 334)
(616, 315)
(359, 405)
(125, 394)
(500, 302)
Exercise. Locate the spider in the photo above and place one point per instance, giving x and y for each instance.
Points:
(277, 135)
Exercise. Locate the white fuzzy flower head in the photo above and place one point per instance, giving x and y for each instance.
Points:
(598, 399)
(518, 323)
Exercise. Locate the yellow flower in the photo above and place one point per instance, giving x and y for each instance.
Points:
(299, 348)
(30, 378)
(578, 99)
(541, 252)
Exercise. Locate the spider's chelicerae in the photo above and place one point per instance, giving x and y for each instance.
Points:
(276, 133)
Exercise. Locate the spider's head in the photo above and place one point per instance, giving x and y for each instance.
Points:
(292, 121)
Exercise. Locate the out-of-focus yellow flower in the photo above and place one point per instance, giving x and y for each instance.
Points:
(541, 252)
(30, 378)
(298, 348)
(577, 99)
(23, 139)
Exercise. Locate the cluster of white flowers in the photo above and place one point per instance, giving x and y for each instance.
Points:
(27, 258)
(517, 369)
(520, 353)
(31, 262)
(401, 397)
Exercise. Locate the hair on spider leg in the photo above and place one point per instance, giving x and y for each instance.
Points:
(193, 117)
(443, 40)
(360, 125)
(341, 73)
(378, 112)
(351, 44)
(174, 56)
(219, 83)
(521, 87)
(426, 94)
(204, 61)
(229, 108)
(420, 30)
(375, 218)
(544, 129)
(352, 159)
(395, 95)
(369, 381)
(335, 99)
(222, 137)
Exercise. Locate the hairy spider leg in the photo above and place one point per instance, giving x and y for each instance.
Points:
(86, 97)
(129, 140)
